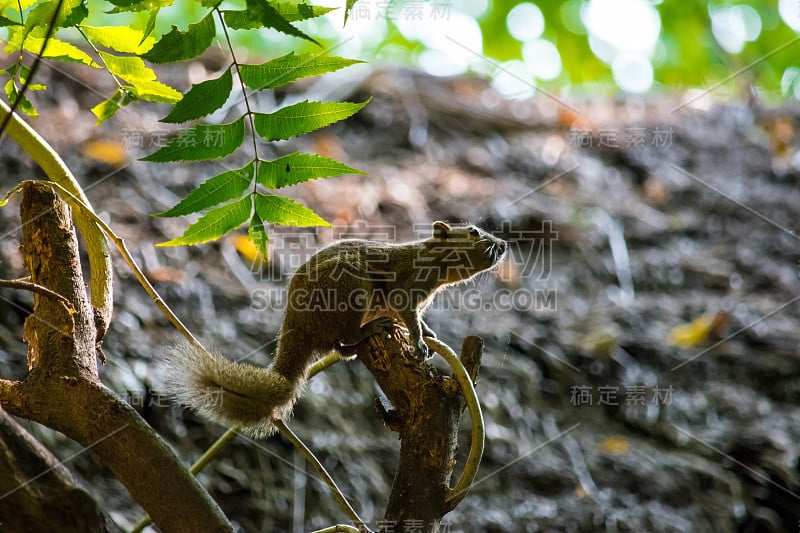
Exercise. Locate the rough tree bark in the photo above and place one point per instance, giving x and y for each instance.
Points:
(63, 391)
(426, 413)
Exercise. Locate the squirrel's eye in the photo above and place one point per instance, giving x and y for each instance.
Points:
(474, 232)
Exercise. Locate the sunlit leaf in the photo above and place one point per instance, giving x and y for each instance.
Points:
(107, 108)
(183, 45)
(296, 168)
(289, 68)
(285, 211)
(16, 5)
(214, 191)
(142, 78)
(214, 224)
(202, 99)
(119, 38)
(302, 117)
(59, 50)
(202, 142)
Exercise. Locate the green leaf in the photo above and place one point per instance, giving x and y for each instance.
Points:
(302, 117)
(8, 22)
(72, 12)
(215, 223)
(150, 27)
(213, 191)
(348, 6)
(296, 168)
(202, 99)
(258, 234)
(241, 20)
(183, 45)
(202, 142)
(289, 68)
(107, 108)
(24, 72)
(138, 5)
(210, 3)
(119, 38)
(142, 78)
(263, 14)
(154, 91)
(287, 212)
(24, 105)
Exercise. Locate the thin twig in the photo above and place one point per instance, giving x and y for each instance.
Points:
(33, 287)
(310, 457)
(461, 487)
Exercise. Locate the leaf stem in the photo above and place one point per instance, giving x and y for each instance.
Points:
(249, 113)
(100, 58)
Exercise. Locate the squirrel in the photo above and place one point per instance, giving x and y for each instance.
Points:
(345, 293)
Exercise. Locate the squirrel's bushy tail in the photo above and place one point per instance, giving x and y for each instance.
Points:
(228, 392)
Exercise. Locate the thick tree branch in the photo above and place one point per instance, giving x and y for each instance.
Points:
(37, 493)
(63, 392)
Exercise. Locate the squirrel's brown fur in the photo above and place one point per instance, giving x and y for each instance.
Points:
(345, 293)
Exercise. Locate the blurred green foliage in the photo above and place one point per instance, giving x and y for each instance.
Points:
(694, 47)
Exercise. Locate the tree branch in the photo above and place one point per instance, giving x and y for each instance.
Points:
(63, 391)
(427, 409)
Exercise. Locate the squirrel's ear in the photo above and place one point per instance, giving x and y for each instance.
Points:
(441, 230)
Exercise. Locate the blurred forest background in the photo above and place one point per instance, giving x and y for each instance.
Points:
(642, 157)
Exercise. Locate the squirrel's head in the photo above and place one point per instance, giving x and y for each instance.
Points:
(462, 251)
